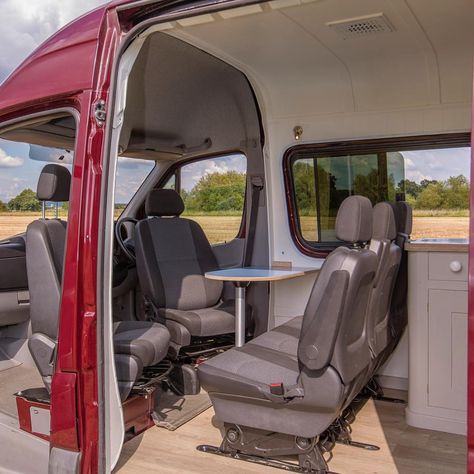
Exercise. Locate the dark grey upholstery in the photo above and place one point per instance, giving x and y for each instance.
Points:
(319, 358)
(45, 241)
(403, 216)
(238, 382)
(284, 338)
(137, 344)
(164, 202)
(173, 254)
(203, 322)
(382, 243)
(54, 184)
(142, 339)
(398, 318)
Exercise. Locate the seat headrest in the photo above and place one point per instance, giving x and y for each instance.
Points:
(384, 226)
(54, 183)
(354, 220)
(164, 203)
(405, 217)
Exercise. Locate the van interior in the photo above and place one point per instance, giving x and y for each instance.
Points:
(320, 109)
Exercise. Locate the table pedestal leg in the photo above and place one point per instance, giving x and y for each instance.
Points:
(240, 314)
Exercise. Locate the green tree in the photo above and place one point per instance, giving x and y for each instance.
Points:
(216, 192)
(432, 197)
(410, 187)
(25, 201)
(424, 183)
(3, 207)
(457, 193)
(303, 176)
(368, 185)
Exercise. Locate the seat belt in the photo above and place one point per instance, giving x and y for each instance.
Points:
(257, 186)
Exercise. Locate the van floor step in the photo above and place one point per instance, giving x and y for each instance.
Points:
(270, 462)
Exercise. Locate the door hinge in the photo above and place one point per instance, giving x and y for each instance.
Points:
(100, 113)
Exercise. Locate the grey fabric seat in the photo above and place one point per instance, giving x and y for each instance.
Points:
(398, 317)
(137, 344)
(203, 322)
(142, 339)
(173, 254)
(284, 338)
(382, 243)
(331, 355)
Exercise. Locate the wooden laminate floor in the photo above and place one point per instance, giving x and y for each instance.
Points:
(403, 449)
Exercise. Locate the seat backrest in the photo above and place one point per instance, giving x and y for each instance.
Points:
(334, 323)
(398, 318)
(45, 243)
(173, 254)
(384, 234)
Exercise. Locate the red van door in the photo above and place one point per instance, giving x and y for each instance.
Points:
(470, 385)
(78, 421)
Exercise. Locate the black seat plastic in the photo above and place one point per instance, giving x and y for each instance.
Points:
(173, 254)
(137, 344)
(275, 386)
(398, 317)
(383, 243)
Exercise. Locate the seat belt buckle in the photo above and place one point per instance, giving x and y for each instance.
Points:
(277, 389)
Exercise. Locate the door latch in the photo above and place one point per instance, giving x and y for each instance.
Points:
(100, 113)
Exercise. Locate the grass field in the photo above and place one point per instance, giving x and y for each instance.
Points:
(225, 228)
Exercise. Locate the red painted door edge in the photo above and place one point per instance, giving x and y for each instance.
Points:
(470, 345)
(75, 382)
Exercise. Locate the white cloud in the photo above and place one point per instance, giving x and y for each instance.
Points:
(134, 163)
(11, 187)
(193, 172)
(7, 161)
(210, 167)
(437, 164)
(27, 23)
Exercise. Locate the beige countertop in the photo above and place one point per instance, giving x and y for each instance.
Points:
(438, 245)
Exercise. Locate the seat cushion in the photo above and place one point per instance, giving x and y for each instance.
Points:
(283, 338)
(251, 369)
(204, 322)
(143, 339)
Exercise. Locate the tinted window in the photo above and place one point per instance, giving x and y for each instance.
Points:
(21, 163)
(321, 184)
(434, 181)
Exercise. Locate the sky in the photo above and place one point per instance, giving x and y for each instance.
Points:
(27, 23)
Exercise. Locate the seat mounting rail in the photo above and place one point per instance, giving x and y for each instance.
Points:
(264, 461)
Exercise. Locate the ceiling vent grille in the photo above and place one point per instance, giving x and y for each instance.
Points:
(362, 26)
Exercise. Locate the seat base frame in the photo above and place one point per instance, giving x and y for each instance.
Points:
(263, 447)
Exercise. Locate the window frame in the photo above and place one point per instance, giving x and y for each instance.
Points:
(352, 147)
(55, 109)
(174, 169)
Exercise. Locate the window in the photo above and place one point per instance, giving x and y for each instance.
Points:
(131, 173)
(432, 177)
(213, 191)
(21, 163)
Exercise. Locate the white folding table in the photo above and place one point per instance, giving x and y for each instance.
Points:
(241, 277)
